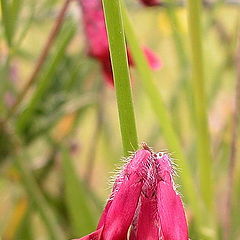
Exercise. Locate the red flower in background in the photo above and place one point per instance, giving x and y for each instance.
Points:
(143, 202)
(150, 2)
(97, 40)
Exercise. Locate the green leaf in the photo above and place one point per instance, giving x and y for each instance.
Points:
(6, 20)
(36, 196)
(10, 14)
(45, 80)
(15, 11)
(200, 102)
(112, 11)
(79, 206)
(24, 230)
(163, 117)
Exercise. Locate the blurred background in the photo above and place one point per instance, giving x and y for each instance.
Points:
(60, 140)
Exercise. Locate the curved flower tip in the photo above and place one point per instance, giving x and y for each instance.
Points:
(154, 62)
(145, 225)
(170, 208)
(150, 2)
(171, 213)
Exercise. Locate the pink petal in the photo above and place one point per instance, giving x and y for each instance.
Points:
(104, 214)
(125, 199)
(121, 212)
(146, 225)
(95, 28)
(153, 60)
(97, 40)
(172, 217)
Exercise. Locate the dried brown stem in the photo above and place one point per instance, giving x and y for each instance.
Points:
(41, 60)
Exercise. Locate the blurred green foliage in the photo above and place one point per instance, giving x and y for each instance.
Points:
(58, 148)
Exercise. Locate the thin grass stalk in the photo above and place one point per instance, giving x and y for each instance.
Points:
(92, 151)
(34, 193)
(43, 83)
(16, 218)
(163, 117)
(81, 214)
(176, 31)
(200, 100)
(25, 230)
(113, 18)
(41, 60)
(207, 3)
(233, 150)
(7, 21)
(182, 85)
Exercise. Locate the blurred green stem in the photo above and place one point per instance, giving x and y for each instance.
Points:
(159, 108)
(202, 132)
(41, 60)
(43, 83)
(233, 151)
(182, 85)
(112, 11)
(92, 150)
(36, 196)
(82, 215)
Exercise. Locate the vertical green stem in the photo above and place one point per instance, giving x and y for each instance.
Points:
(203, 138)
(113, 17)
(162, 114)
(39, 201)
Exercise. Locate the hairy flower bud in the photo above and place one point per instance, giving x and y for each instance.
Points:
(144, 201)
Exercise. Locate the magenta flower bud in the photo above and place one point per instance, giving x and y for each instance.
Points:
(120, 208)
(146, 222)
(143, 201)
(96, 34)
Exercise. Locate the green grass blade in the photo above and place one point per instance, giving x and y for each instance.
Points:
(183, 61)
(45, 80)
(6, 20)
(112, 11)
(177, 38)
(81, 214)
(10, 14)
(34, 193)
(15, 12)
(163, 117)
(25, 230)
(201, 120)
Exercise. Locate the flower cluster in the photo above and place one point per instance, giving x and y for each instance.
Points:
(143, 204)
(96, 35)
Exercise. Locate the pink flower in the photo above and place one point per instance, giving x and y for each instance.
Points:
(150, 2)
(143, 204)
(96, 35)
